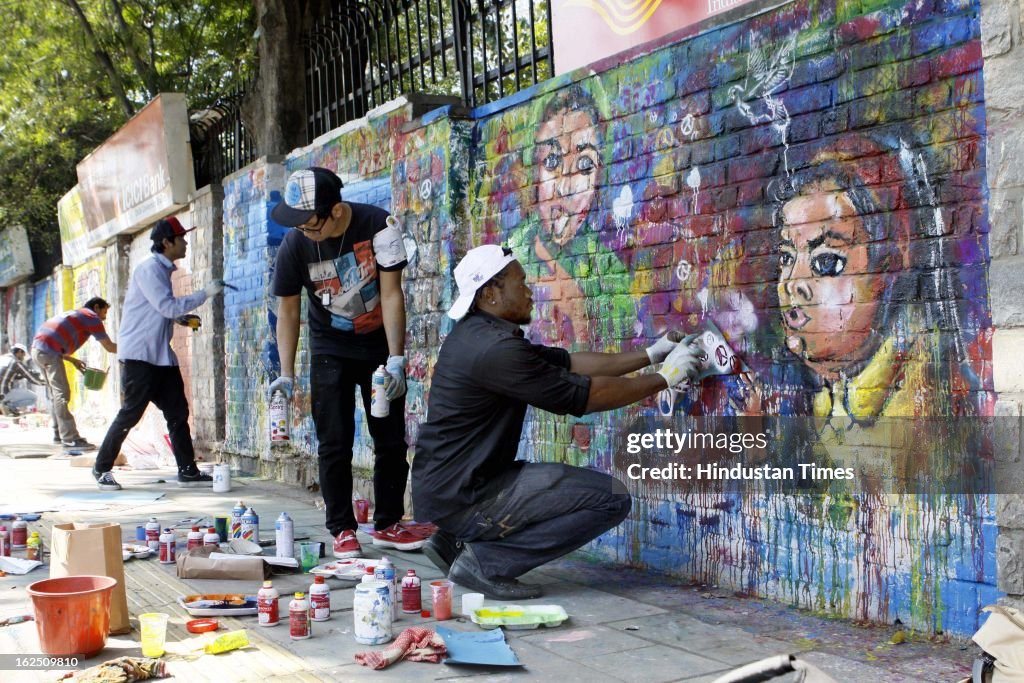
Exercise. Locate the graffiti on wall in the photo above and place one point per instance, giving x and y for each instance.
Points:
(812, 182)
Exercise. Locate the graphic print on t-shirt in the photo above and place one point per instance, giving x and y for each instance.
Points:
(350, 281)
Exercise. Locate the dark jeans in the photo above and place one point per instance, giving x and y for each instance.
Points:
(141, 384)
(332, 382)
(548, 510)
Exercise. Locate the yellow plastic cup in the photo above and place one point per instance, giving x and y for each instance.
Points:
(154, 633)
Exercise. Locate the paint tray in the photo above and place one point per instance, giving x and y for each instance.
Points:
(352, 569)
(219, 605)
(516, 617)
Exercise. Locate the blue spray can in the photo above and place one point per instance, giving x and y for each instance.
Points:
(251, 526)
(236, 519)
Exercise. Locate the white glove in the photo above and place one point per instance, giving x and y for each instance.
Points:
(396, 369)
(660, 349)
(214, 288)
(679, 365)
(284, 384)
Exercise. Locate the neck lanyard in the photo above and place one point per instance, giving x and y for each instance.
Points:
(325, 291)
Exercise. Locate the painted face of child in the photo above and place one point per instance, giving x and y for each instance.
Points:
(827, 293)
(567, 164)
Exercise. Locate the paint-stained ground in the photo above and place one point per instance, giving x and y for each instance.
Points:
(624, 625)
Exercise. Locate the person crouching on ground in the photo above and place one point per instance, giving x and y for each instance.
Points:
(507, 516)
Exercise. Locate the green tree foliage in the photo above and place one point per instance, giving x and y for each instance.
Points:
(73, 71)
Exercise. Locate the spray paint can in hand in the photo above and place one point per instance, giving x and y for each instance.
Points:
(320, 599)
(277, 415)
(266, 605)
(284, 533)
(379, 405)
(168, 546)
(153, 534)
(236, 519)
(251, 526)
(299, 626)
(385, 571)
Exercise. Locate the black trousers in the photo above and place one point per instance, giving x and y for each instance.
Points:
(548, 510)
(332, 383)
(141, 384)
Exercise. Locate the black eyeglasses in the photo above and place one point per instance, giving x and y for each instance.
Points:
(317, 227)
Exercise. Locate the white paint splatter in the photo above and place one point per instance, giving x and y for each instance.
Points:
(702, 297)
(693, 182)
(622, 209)
(767, 71)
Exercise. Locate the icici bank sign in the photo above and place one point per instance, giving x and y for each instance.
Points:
(140, 174)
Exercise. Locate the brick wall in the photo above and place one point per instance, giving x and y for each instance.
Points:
(665, 191)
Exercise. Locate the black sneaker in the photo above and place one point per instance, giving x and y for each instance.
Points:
(194, 480)
(106, 481)
(442, 548)
(58, 441)
(78, 444)
(466, 572)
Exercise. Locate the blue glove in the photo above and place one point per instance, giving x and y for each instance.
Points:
(396, 369)
(283, 384)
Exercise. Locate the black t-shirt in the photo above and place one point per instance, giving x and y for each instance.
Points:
(340, 276)
(486, 374)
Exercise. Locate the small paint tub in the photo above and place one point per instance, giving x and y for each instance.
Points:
(95, 378)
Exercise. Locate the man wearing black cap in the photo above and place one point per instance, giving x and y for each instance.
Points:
(349, 258)
(149, 368)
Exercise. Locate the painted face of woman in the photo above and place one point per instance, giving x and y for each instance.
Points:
(827, 291)
(567, 166)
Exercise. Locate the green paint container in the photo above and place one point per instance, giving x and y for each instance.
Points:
(94, 378)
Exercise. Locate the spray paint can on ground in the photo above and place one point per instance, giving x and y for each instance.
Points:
(320, 599)
(168, 546)
(379, 405)
(266, 605)
(236, 519)
(284, 536)
(251, 526)
(153, 534)
(277, 415)
(299, 625)
(194, 538)
(385, 571)
(412, 599)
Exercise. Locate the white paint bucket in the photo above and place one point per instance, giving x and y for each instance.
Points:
(221, 478)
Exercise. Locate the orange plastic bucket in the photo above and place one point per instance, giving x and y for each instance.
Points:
(72, 614)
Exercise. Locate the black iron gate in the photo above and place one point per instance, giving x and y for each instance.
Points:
(363, 53)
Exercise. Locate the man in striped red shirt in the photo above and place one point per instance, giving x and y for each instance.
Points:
(55, 341)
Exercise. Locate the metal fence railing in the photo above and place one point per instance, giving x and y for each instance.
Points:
(221, 144)
(362, 53)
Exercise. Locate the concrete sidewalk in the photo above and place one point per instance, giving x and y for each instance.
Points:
(624, 625)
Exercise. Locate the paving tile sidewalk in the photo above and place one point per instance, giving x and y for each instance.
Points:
(624, 625)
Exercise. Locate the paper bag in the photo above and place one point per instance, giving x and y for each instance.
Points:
(197, 564)
(92, 550)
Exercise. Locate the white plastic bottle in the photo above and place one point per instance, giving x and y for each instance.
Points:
(211, 537)
(385, 572)
(152, 534)
(284, 533)
(299, 626)
(320, 599)
(266, 605)
(168, 546)
(194, 538)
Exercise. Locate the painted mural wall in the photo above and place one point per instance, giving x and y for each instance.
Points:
(810, 181)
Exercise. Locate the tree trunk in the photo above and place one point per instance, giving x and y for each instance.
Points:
(275, 110)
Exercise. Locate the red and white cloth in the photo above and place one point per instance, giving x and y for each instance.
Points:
(417, 644)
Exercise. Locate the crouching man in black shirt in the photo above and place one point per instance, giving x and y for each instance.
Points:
(508, 516)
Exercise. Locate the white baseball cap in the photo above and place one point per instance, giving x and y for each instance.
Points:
(478, 266)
